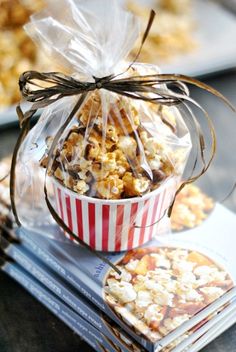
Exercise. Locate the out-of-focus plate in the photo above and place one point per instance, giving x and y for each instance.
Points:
(215, 34)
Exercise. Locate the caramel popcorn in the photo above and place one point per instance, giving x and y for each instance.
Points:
(98, 172)
(108, 162)
(191, 207)
(162, 287)
(92, 112)
(126, 120)
(151, 145)
(135, 186)
(128, 146)
(122, 163)
(115, 157)
(59, 174)
(110, 188)
(81, 187)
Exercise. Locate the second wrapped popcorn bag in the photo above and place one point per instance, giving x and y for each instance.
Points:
(110, 146)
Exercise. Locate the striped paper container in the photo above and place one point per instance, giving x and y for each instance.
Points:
(114, 225)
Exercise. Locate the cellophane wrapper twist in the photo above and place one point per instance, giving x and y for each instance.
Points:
(117, 165)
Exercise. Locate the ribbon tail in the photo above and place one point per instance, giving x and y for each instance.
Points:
(230, 193)
(25, 127)
(152, 15)
(5, 177)
(194, 82)
(154, 223)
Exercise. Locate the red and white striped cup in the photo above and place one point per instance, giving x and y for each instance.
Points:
(114, 225)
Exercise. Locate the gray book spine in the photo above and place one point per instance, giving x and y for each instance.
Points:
(66, 293)
(51, 261)
(47, 279)
(90, 334)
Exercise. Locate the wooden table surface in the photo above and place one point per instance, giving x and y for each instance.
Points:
(26, 326)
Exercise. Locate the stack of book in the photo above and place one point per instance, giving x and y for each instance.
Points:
(176, 293)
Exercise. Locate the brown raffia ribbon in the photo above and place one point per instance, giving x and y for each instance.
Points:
(4, 177)
(166, 89)
(230, 194)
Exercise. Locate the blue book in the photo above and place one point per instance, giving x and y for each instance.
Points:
(68, 294)
(80, 326)
(201, 247)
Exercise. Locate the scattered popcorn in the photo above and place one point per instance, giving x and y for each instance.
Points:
(183, 287)
(191, 208)
(130, 306)
(219, 276)
(171, 286)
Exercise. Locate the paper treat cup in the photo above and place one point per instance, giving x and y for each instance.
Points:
(114, 225)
